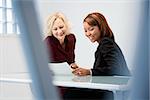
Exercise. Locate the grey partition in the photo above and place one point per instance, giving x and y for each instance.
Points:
(36, 56)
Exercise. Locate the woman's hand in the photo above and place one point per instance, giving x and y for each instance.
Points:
(73, 65)
(81, 71)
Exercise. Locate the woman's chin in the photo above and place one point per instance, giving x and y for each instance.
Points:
(61, 37)
(92, 41)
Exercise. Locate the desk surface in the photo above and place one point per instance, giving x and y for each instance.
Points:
(93, 82)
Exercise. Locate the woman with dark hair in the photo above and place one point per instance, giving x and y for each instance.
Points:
(109, 59)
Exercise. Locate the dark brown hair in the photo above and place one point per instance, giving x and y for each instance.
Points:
(97, 19)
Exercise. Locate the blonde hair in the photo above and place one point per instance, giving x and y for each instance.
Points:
(50, 22)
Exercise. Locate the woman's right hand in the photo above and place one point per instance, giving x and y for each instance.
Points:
(81, 72)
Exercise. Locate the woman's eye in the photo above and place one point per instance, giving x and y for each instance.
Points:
(91, 29)
(61, 27)
(55, 29)
(85, 30)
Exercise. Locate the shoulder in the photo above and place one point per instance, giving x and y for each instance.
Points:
(107, 41)
(49, 39)
(71, 37)
(106, 45)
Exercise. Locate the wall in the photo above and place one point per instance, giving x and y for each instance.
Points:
(11, 55)
(12, 62)
(123, 17)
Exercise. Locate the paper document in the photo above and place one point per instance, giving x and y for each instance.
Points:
(60, 68)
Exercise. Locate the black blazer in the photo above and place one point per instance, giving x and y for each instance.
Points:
(109, 59)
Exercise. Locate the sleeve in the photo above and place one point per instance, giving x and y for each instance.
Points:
(106, 60)
(48, 47)
(72, 42)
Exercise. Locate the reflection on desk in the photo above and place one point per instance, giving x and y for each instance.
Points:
(82, 78)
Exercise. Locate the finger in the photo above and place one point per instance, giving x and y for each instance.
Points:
(74, 66)
(75, 72)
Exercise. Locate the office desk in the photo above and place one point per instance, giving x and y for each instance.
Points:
(118, 84)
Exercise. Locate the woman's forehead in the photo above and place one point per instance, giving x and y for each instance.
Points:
(58, 21)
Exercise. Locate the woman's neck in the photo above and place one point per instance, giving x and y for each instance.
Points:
(62, 43)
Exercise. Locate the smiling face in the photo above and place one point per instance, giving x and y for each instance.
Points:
(59, 29)
(92, 32)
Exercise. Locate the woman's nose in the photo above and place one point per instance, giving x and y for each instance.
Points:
(59, 31)
(88, 33)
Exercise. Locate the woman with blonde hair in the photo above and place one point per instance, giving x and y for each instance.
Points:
(60, 42)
